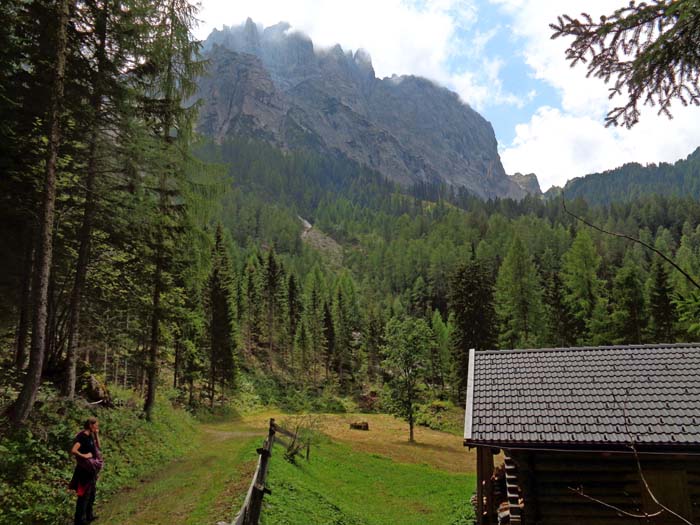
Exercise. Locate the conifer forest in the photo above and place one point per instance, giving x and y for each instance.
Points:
(133, 245)
(137, 251)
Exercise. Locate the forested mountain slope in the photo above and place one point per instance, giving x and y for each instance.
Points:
(274, 85)
(632, 181)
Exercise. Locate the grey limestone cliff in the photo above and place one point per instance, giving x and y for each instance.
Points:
(528, 182)
(272, 84)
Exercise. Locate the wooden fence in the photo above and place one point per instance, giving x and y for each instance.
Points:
(250, 511)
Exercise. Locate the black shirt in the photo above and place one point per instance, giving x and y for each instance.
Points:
(87, 443)
(80, 475)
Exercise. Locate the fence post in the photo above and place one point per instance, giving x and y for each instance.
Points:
(253, 515)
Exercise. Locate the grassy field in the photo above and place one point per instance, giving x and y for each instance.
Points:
(343, 487)
(197, 489)
(353, 477)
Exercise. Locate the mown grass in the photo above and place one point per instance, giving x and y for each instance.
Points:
(374, 477)
(201, 488)
(388, 436)
(343, 486)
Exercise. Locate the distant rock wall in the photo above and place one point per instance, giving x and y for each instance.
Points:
(271, 84)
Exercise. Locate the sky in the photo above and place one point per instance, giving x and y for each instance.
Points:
(499, 57)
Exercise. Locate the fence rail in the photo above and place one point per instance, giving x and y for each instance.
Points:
(252, 505)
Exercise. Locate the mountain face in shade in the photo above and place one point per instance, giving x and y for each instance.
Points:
(633, 181)
(271, 84)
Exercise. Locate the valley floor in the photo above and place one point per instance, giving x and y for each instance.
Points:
(354, 477)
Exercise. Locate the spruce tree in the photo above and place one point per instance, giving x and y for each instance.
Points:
(373, 340)
(662, 311)
(273, 296)
(251, 303)
(558, 321)
(471, 304)
(329, 338)
(293, 310)
(170, 78)
(579, 274)
(441, 358)
(25, 400)
(629, 312)
(222, 336)
(518, 300)
(313, 320)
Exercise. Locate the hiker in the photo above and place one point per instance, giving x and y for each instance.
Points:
(86, 450)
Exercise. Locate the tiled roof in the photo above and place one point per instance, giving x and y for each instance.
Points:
(614, 395)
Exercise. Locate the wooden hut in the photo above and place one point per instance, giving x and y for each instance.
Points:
(593, 435)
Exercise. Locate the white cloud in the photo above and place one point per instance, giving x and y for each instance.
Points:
(485, 88)
(402, 37)
(558, 144)
(443, 41)
(418, 37)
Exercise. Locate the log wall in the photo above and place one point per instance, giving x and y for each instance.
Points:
(546, 479)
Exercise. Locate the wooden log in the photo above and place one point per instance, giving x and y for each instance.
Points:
(284, 431)
(484, 492)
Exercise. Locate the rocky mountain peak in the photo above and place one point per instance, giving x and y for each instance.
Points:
(272, 84)
(528, 182)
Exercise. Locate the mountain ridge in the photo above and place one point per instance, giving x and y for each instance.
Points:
(272, 84)
(633, 180)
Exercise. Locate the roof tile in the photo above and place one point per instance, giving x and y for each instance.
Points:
(647, 394)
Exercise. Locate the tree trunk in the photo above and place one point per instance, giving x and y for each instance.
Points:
(142, 381)
(27, 396)
(177, 362)
(270, 328)
(25, 304)
(212, 383)
(155, 335)
(88, 215)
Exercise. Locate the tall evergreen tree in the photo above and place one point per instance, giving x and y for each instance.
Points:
(293, 308)
(662, 311)
(629, 313)
(518, 299)
(441, 358)
(251, 303)
(108, 43)
(222, 337)
(342, 330)
(313, 319)
(373, 340)
(27, 396)
(273, 295)
(329, 338)
(170, 76)
(471, 303)
(579, 274)
(558, 321)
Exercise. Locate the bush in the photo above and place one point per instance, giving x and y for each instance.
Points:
(441, 415)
